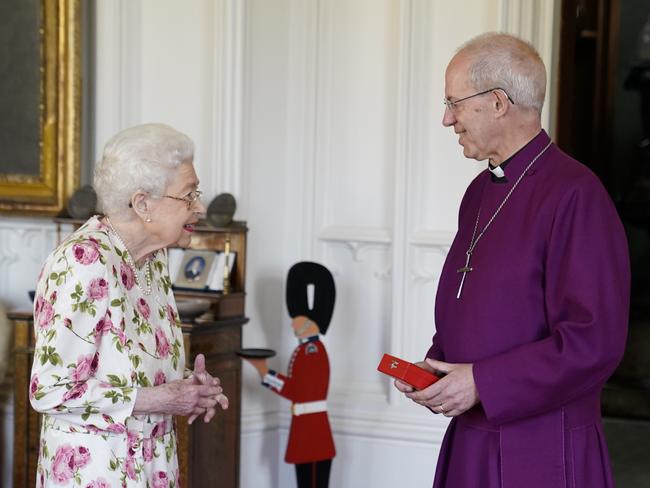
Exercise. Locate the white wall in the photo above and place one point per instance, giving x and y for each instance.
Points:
(323, 118)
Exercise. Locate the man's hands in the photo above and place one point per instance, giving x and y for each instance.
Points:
(452, 395)
(194, 396)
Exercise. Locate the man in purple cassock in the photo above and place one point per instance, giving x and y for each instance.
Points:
(532, 305)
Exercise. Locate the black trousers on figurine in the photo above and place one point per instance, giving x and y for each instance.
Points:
(314, 475)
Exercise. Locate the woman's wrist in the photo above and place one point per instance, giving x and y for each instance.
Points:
(146, 401)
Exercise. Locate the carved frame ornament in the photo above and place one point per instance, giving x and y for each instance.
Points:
(43, 187)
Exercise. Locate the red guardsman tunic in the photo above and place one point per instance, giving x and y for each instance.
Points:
(306, 383)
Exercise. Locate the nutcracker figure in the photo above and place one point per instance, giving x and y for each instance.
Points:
(310, 295)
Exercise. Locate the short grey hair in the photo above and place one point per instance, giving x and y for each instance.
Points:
(500, 60)
(140, 158)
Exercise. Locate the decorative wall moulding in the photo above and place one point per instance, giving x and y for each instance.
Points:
(356, 239)
(441, 239)
(226, 114)
(369, 235)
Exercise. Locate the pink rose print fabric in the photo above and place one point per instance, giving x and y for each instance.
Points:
(98, 483)
(99, 339)
(127, 275)
(143, 308)
(68, 461)
(43, 313)
(159, 378)
(160, 480)
(162, 344)
(86, 252)
(98, 289)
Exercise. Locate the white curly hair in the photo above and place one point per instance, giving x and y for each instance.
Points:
(140, 158)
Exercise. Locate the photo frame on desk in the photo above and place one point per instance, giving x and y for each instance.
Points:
(195, 269)
(191, 269)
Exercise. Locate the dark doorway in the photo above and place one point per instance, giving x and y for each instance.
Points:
(603, 120)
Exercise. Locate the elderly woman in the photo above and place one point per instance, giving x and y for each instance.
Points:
(109, 364)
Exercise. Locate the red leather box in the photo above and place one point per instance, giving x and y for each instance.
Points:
(415, 376)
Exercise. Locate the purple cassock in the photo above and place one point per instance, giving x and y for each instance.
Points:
(543, 317)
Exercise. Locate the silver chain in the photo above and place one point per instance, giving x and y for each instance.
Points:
(473, 242)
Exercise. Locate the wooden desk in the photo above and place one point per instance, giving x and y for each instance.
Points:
(209, 453)
(27, 425)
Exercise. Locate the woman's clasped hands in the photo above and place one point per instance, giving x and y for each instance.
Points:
(199, 394)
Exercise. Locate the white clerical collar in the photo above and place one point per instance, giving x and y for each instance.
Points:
(497, 171)
(498, 174)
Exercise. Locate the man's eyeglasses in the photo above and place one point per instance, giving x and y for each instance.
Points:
(190, 199)
(451, 104)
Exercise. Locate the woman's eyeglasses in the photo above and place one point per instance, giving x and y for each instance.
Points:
(190, 199)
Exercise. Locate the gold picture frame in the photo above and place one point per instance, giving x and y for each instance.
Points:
(44, 186)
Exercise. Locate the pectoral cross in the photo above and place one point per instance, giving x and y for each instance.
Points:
(465, 269)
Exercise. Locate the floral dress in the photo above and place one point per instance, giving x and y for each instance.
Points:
(98, 339)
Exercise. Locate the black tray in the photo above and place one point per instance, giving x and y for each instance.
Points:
(255, 353)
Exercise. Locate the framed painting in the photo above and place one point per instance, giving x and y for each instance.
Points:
(40, 106)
